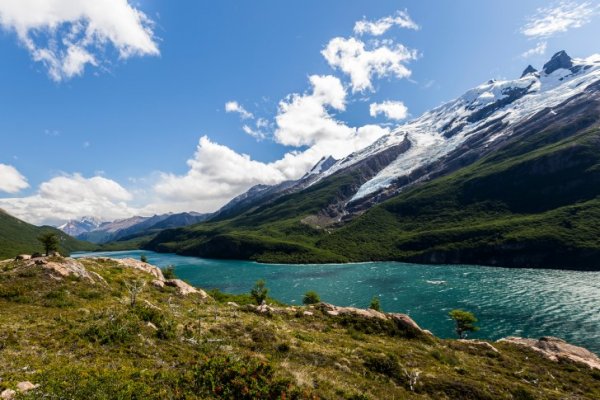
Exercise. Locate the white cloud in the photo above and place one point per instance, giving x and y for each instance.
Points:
(361, 64)
(72, 196)
(235, 107)
(559, 18)
(216, 174)
(304, 120)
(395, 110)
(539, 49)
(255, 133)
(382, 25)
(68, 35)
(11, 180)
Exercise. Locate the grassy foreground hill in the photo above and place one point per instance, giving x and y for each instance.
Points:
(19, 237)
(534, 203)
(69, 329)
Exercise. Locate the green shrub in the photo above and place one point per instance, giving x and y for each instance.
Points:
(113, 327)
(311, 297)
(169, 272)
(375, 304)
(226, 377)
(259, 292)
(385, 364)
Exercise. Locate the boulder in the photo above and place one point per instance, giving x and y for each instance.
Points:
(158, 283)
(402, 321)
(25, 386)
(23, 257)
(233, 304)
(64, 268)
(555, 349)
(333, 311)
(139, 265)
(185, 289)
(479, 343)
(8, 394)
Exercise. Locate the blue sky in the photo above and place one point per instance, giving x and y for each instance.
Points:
(114, 128)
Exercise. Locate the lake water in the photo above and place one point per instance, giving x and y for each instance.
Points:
(508, 302)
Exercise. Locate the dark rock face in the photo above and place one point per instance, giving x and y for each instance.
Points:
(558, 61)
(529, 70)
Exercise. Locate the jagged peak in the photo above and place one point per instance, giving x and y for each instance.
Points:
(529, 70)
(558, 61)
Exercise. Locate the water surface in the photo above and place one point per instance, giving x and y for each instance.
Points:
(517, 302)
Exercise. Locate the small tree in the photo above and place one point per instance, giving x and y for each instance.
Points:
(465, 321)
(134, 288)
(143, 258)
(311, 297)
(50, 242)
(169, 272)
(259, 291)
(375, 304)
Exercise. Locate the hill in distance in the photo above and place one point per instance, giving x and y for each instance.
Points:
(19, 237)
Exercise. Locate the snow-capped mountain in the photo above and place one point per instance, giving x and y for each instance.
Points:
(450, 136)
(77, 227)
(494, 108)
(138, 225)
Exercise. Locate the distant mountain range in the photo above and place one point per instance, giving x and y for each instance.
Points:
(507, 174)
(92, 230)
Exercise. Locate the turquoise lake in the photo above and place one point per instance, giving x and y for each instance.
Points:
(508, 302)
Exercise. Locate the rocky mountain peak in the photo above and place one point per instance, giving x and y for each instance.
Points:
(529, 70)
(558, 61)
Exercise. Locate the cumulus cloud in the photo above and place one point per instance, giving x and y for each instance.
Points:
(395, 110)
(304, 119)
(68, 35)
(217, 173)
(382, 25)
(11, 180)
(539, 49)
(235, 107)
(351, 56)
(559, 18)
(72, 196)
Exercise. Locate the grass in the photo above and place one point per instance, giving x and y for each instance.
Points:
(82, 340)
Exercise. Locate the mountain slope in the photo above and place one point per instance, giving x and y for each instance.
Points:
(19, 237)
(497, 177)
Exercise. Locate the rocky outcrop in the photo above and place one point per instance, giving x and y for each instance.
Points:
(185, 289)
(402, 321)
(60, 268)
(139, 265)
(558, 61)
(528, 70)
(556, 349)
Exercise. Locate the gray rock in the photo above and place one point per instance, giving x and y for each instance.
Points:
(558, 61)
(555, 349)
(529, 70)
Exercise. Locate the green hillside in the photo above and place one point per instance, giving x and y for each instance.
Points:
(533, 203)
(82, 337)
(19, 237)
